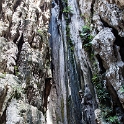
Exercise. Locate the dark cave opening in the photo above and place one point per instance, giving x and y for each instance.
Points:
(119, 42)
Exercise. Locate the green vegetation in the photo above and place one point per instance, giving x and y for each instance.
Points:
(17, 94)
(69, 41)
(70, 44)
(102, 92)
(85, 34)
(82, 15)
(87, 18)
(2, 75)
(108, 115)
(16, 70)
(86, 37)
(98, 79)
(104, 99)
(67, 9)
(18, 91)
(65, 1)
(39, 32)
(122, 89)
(85, 29)
(113, 119)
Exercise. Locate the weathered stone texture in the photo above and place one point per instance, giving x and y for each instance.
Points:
(8, 55)
(25, 74)
(103, 45)
(24, 59)
(106, 19)
(112, 15)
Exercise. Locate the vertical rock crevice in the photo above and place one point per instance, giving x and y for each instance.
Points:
(86, 56)
(25, 54)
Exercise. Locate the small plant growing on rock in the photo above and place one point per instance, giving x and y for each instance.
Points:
(85, 34)
(85, 29)
(16, 70)
(2, 75)
(67, 9)
(122, 89)
(86, 37)
(17, 94)
(109, 117)
(113, 119)
(102, 92)
(39, 32)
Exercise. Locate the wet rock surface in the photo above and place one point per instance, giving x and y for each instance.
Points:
(61, 62)
(90, 35)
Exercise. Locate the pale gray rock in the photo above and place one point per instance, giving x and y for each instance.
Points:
(9, 84)
(114, 76)
(97, 25)
(22, 113)
(24, 52)
(85, 7)
(32, 72)
(98, 116)
(8, 55)
(112, 15)
(103, 45)
(120, 3)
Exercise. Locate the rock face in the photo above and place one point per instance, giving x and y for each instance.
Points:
(87, 40)
(24, 60)
(8, 55)
(61, 62)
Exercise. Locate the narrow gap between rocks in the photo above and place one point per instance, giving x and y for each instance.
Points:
(17, 3)
(20, 43)
(102, 69)
(3, 118)
(48, 84)
(119, 41)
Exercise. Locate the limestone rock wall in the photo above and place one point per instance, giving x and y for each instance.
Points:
(87, 41)
(75, 78)
(24, 60)
(105, 22)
